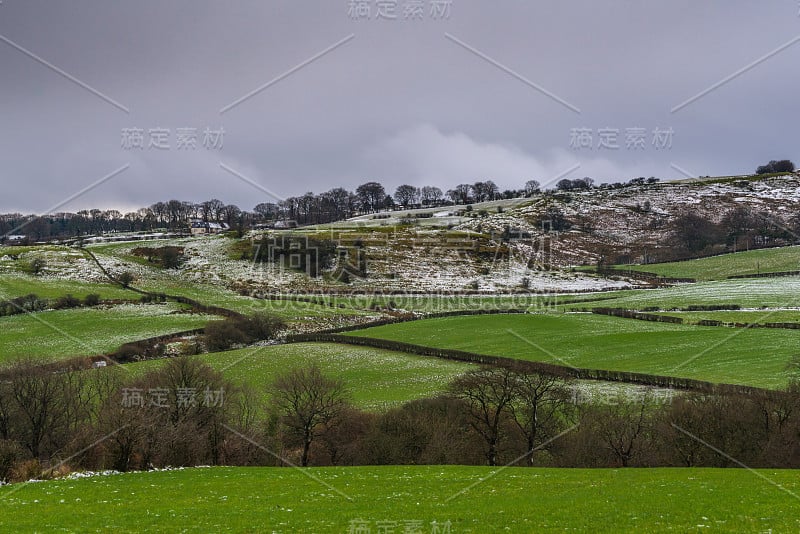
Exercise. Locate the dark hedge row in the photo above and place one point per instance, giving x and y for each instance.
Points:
(644, 275)
(631, 314)
(146, 348)
(412, 317)
(33, 303)
(764, 275)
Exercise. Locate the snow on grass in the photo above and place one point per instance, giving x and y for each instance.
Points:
(597, 392)
(781, 292)
(90, 331)
(638, 216)
(60, 263)
(391, 266)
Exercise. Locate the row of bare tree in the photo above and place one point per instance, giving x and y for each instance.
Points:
(185, 413)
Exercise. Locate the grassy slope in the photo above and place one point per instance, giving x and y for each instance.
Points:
(172, 283)
(756, 316)
(755, 357)
(752, 293)
(19, 285)
(377, 378)
(720, 267)
(515, 500)
(117, 248)
(219, 296)
(769, 292)
(9, 250)
(87, 331)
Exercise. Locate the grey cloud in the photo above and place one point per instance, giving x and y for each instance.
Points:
(398, 103)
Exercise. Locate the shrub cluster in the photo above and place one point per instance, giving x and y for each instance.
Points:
(34, 303)
(28, 303)
(222, 335)
(168, 257)
(305, 254)
(776, 166)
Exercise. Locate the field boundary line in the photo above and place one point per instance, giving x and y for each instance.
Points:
(195, 304)
(603, 375)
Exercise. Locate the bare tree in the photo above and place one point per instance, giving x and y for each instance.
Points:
(430, 195)
(159, 210)
(623, 427)
(341, 203)
(488, 393)
(6, 407)
(539, 408)
(460, 193)
(531, 187)
(371, 195)
(183, 421)
(266, 210)
(44, 408)
(125, 429)
(684, 419)
(479, 191)
(307, 401)
(212, 209)
(406, 195)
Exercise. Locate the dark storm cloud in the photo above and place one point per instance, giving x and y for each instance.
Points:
(486, 93)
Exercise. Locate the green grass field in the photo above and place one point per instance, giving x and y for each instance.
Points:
(24, 249)
(54, 335)
(378, 379)
(736, 356)
(120, 249)
(769, 260)
(291, 311)
(181, 283)
(321, 500)
(750, 316)
(783, 292)
(779, 292)
(19, 285)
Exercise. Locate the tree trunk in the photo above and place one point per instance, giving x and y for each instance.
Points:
(306, 447)
(491, 454)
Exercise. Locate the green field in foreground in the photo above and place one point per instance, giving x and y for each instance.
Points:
(741, 356)
(768, 260)
(467, 499)
(378, 379)
(54, 335)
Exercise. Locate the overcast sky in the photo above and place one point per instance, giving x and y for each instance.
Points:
(485, 90)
